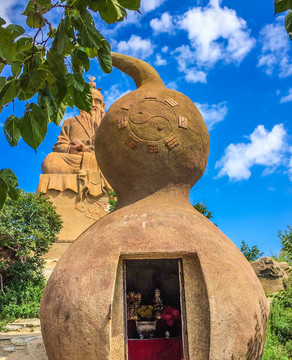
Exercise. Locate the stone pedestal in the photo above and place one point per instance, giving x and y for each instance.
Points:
(81, 199)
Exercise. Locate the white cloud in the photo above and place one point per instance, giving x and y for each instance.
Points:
(1, 124)
(185, 57)
(164, 49)
(149, 5)
(286, 98)
(7, 11)
(264, 148)
(113, 94)
(213, 114)
(172, 85)
(216, 33)
(275, 56)
(159, 61)
(136, 46)
(164, 24)
(193, 76)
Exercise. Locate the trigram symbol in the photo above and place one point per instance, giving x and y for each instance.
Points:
(171, 102)
(122, 122)
(182, 122)
(171, 142)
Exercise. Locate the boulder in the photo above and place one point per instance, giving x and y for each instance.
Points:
(271, 274)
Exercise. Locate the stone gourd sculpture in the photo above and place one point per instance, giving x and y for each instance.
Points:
(152, 146)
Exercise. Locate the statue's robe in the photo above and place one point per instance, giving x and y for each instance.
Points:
(76, 172)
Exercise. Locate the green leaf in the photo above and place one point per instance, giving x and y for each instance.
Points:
(288, 22)
(30, 8)
(92, 53)
(83, 100)
(105, 59)
(7, 45)
(282, 5)
(24, 44)
(34, 20)
(44, 4)
(11, 130)
(80, 60)
(16, 67)
(76, 81)
(16, 30)
(3, 192)
(9, 91)
(2, 81)
(33, 125)
(26, 95)
(2, 21)
(31, 81)
(59, 114)
(8, 185)
(56, 64)
(130, 4)
(59, 90)
(1, 67)
(47, 102)
(61, 40)
(111, 11)
(88, 35)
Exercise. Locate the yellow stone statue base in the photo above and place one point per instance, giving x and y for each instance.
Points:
(81, 199)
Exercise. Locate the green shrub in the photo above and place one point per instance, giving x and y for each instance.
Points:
(274, 350)
(281, 321)
(28, 227)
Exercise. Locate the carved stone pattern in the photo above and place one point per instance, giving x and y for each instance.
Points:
(132, 142)
(95, 211)
(182, 122)
(171, 102)
(122, 122)
(152, 148)
(150, 96)
(127, 105)
(172, 142)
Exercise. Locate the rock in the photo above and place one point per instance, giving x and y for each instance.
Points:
(35, 351)
(11, 327)
(9, 348)
(23, 340)
(271, 274)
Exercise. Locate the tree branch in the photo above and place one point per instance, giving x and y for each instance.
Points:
(42, 14)
(3, 61)
(1, 285)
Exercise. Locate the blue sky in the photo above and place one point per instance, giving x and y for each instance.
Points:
(234, 60)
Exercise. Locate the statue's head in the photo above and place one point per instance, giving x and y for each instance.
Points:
(151, 137)
(97, 98)
(98, 105)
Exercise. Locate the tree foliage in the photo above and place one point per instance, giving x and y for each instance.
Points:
(47, 68)
(8, 186)
(286, 241)
(28, 227)
(203, 210)
(281, 6)
(251, 253)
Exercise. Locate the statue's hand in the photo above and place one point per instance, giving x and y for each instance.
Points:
(77, 149)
